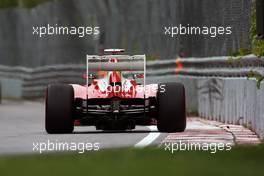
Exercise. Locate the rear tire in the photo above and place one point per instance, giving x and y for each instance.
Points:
(59, 109)
(171, 107)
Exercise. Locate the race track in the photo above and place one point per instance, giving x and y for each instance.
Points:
(22, 125)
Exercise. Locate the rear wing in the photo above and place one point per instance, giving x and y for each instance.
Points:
(123, 63)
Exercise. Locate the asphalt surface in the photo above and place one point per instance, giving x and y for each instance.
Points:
(22, 131)
(22, 124)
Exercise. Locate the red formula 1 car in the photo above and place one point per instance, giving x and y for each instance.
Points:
(115, 97)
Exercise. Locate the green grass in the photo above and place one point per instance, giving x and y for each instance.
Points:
(240, 161)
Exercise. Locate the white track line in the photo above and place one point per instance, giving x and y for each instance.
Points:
(149, 138)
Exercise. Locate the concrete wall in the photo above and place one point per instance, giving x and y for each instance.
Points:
(11, 88)
(136, 25)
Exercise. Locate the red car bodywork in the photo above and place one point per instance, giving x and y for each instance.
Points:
(94, 91)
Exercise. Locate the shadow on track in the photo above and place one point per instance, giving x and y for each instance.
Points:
(112, 131)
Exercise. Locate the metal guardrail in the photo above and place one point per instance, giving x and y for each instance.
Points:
(213, 66)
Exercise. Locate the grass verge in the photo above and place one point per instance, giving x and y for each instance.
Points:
(241, 160)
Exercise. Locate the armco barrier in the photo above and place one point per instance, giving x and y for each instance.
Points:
(216, 87)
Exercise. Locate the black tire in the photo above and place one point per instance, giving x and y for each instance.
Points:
(171, 107)
(59, 109)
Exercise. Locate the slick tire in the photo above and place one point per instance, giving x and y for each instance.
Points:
(59, 109)
(171, 107)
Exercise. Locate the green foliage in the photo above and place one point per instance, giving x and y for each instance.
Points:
(151, 57)
(8, 3)
(20, 3)
(238, 54)
(257, 76)
(32, 3)
(256, 44)
(241, 52)
(135, 47)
